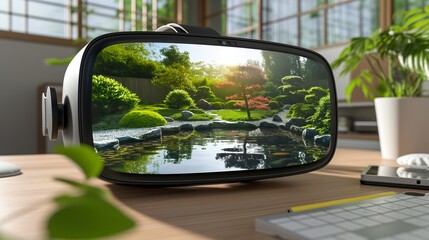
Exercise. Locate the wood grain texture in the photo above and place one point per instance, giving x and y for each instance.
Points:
(222, 211)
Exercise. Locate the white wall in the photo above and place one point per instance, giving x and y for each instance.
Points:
(332, 53)
(22, 71)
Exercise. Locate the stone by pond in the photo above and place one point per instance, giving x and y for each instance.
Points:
(209, 150)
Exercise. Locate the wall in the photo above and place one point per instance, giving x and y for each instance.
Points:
(22, 71)
(332, 53)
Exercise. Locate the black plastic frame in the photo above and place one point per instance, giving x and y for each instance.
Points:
(85, 119)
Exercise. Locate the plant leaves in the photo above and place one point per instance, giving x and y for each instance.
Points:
(86, 217)
(85, 157)
(86, 188)
(56, 61)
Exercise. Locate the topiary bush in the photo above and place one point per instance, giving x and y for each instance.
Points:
(142, 118)
(231, 104)
(321, 119)
(217, 105)
(178, 99)
(204, 92)
(301, 110)
(110, 97)
(315, 94)
(274, 105)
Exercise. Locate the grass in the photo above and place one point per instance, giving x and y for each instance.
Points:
(108, 122)
(199, 115)
(241, 115)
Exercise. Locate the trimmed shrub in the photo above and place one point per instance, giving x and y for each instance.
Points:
(178, 99)
(274, 105)
(162, 105)
(142, 118)
(110, 97)
(196, 110)
(205, 93)
(231, 104)
(315, 94)
(301, 110)
(291, 98)
(280, 98)
(217, 105)
(322, 117)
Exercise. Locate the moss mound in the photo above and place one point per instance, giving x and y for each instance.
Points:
(142, 118)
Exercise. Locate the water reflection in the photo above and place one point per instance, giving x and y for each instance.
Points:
(212, 151)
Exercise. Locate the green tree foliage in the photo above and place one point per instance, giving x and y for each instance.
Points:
(204, 92)
(315, 94)
(274, 105)
(125, 60)
(316, 109)
(172, 56)
(314, 74)
(277, 65)
(246, 79)
(321, 120)
(271, 90)
(291, 84)
(174, 77)
(142, 118)
(178, 99)
(301, 110)
(110, 97)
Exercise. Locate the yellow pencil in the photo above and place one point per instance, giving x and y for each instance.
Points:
(307, 207)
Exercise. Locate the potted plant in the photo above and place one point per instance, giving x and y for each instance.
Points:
(398, 58)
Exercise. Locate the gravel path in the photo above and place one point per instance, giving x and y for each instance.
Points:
(137, 132)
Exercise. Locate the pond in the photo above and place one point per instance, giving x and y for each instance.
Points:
(216, 150)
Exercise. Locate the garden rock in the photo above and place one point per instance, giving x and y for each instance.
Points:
(299, 122)
(152, 134)
(204, 127)
(186, 127)
(107, 144)
(246, 125)
(309, 133)
(296, 129)
(170, 130)
(187, 114)
(203, 104)
(323, 140)
(220, 124)
(267, 125)
(276, 118)
(128, 139)
(169, 119)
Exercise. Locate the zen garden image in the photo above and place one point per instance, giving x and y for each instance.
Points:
(161, 108)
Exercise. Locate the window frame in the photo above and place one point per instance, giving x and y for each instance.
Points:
(80, 37)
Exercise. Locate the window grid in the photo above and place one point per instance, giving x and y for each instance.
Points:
(85, 19)
(307, 22)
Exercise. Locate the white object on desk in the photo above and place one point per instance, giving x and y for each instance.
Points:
(414, 160)
(9, 169)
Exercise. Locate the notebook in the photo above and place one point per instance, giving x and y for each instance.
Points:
(400, 216)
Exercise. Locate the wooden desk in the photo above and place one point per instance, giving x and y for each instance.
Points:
(223, 211)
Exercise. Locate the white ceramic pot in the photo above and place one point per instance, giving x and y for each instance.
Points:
(403, 126)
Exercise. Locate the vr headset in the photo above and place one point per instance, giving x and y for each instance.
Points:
(184, 105)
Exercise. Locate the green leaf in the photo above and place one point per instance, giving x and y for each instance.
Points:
(85, 157)
(56, 61)
(88, 189)
(87, 217)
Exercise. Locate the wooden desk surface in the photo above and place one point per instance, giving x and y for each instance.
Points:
(222, 211)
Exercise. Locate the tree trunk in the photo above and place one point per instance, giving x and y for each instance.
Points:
(247, 106)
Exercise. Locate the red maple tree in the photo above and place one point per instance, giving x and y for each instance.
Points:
(246, 79)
